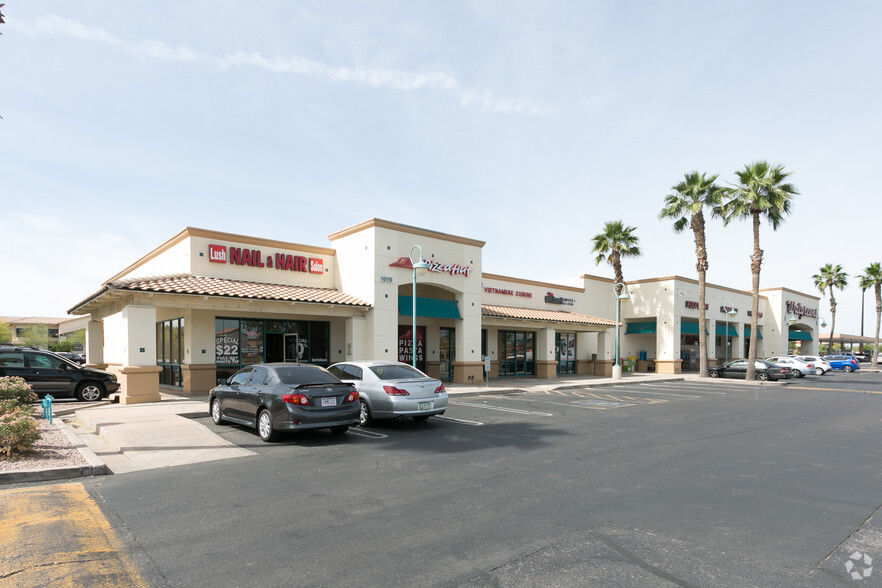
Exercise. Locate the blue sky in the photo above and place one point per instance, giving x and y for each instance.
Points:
(523, 124)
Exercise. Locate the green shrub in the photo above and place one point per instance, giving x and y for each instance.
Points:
(18, 431)
(14, 388)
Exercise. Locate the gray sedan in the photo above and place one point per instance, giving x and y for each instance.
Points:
(391, 389)
(277, 397)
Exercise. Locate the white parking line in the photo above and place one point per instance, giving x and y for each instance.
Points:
(501, 409)
(462, 421)
(368, 434)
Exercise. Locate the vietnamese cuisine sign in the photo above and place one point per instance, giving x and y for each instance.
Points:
(256, 258)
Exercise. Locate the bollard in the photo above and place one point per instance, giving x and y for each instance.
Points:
(47, 408)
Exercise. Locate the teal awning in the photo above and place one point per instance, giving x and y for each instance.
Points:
(428, 307)
(799, 336)
(721, 330)
(644, 328)
(690, 329)
(759, 334)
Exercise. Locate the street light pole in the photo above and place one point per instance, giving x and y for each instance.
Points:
(730, 311)
(419, 267)
(620, 295)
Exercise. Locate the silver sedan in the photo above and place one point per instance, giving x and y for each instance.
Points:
(798, 367)
(391, 389)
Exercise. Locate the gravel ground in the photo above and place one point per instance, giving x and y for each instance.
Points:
(52, 450)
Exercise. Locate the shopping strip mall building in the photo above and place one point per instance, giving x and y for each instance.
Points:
(205, 303)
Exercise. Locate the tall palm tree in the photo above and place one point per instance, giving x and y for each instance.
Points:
(872, 277)
(762, 192)
(831, 276)
(615, 242)
(686, 206)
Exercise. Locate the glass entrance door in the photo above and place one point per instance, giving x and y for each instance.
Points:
(565, 349)
(516, 356)
(447, 352)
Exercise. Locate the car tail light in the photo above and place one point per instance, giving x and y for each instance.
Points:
(809, 365)
(440, 389)
(393, 391)
(295, 399)
(353, 396)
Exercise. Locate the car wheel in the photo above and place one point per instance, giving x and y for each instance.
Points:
(796, 373)
(90, 392)
(819, 371)
(265, 426)
(762, 376)
(216, 412)
(421, 418)
(715, 374)
(848, 368)
(364, 416)
(339, 430)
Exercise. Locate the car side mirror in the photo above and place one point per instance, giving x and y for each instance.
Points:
(221, 381)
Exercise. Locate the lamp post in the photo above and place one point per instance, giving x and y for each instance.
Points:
(730, 312)
(823, 322)
(623, 295)
(420, 267)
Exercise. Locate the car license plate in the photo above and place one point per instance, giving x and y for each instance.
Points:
(329, 401)
(425, 406)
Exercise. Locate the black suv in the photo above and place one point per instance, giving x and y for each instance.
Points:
(48, 373)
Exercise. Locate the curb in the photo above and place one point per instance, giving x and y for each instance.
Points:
(96, 466)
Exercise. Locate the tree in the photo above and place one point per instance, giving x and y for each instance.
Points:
(831, 276)
(615, 242)
(762, 192)
(35, 336)
(872, 278)
(5, 333)
(686, 205)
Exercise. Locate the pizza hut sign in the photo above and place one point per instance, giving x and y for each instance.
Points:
(435, 266)
(255, 258)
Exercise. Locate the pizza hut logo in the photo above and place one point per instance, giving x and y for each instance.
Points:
(435, 266)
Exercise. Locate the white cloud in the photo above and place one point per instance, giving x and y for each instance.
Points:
(401, 81)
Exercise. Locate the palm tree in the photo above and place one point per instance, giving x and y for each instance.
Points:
(831, 276)
(872, 277)
(686, 205)
(615, 242)
(762, 191)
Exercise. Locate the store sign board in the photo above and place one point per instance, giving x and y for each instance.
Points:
(796, 308)
(435, 266)
(257, 258)
(694, 305)
(550, 298)
(507, 292)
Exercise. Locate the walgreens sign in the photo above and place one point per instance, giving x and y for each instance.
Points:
(257, 258)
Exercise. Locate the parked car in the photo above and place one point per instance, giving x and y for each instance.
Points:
(74, 357)
(391, 389)
(274, 397)
(765, 370)
(846, 363)
(798, 367)
(48, 373)
(822, 366)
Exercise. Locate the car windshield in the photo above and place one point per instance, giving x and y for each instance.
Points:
(396, 372)
(304, 374)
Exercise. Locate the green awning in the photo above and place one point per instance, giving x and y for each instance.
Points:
(428, 307)
(799, 336)
(759, 334)
(721, 330)
(690, 329)
(644, 328)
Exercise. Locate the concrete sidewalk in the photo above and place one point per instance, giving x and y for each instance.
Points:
(127, 438)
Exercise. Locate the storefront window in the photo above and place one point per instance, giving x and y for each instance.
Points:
(565, 349)
(240, 342)
(516, 357)
(170, 351)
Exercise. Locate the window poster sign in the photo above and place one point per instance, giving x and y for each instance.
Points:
(405, 346)
(226, 341)
(252, 342)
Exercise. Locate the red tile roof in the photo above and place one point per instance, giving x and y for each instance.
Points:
(558, 316)
(204, 286)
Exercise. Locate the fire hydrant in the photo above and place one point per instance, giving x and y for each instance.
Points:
(47, 408)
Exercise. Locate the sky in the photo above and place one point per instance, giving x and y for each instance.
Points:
(524, 124)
